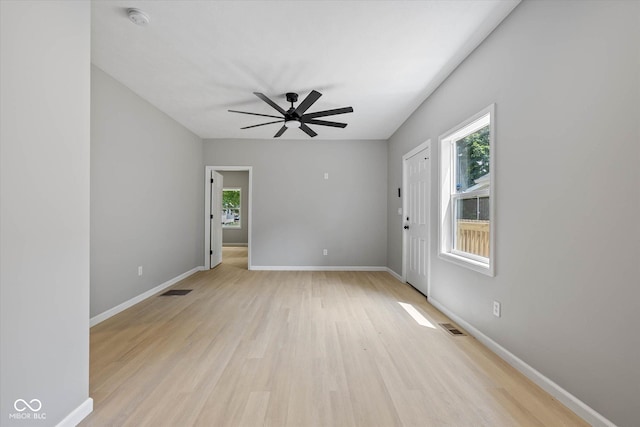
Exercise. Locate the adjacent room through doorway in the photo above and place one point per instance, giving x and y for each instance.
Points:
(235, 234)
(235, 256)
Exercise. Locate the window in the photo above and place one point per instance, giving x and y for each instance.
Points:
(231, 207)
(466, 203)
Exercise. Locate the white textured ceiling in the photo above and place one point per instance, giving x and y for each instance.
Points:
(197, 59)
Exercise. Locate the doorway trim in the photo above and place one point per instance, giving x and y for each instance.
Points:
(405, 158)
(207, 209)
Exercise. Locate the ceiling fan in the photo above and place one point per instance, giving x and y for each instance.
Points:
(295, 116)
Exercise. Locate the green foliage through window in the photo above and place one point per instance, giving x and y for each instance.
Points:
(230, 199)
(473, 158)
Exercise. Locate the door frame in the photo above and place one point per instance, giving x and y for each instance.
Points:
(207, 209)
(405, 158)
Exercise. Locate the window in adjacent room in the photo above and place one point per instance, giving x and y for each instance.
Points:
(467, 168)
(231, 207)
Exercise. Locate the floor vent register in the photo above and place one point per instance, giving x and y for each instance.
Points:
(452, 329)
(176, 292)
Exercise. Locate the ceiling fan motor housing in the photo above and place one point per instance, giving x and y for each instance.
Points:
(291, 114)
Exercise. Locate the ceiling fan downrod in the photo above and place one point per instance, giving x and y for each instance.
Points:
(292, 97)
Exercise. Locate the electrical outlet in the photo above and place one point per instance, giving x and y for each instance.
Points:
(496, 308)
(325, 252)
(140, 270)
(326, 175)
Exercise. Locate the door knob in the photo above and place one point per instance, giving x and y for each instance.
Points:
(406, 227)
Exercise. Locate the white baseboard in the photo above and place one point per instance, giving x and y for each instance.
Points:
(133, 301)
(580, 408)
(77, 415)
(234, 244)
(394, 274)
(314, 268)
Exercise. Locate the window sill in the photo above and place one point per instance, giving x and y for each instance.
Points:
(480, 267)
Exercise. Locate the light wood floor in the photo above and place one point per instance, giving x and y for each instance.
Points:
(249, 348)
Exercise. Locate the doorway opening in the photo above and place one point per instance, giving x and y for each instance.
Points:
(228, 216)
(236, 256)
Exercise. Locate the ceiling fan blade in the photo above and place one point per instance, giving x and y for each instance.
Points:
(325, 123)
(306, 129)
(270, 102)
(327, 113)
(308, 102)
(280, 132)
(252, 114)
(262, 124)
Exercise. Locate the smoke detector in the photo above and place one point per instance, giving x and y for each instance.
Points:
(137, 16)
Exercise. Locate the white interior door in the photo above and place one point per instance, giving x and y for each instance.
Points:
(216, 219)
(416, 219)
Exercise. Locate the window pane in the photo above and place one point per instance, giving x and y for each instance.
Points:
(467, 208)
(471, 173)
(471, 226)
(231, 208)
(472, 161)
(483, 211)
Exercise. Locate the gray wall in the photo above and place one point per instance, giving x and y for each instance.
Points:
(297, 213)
(147, 195)
(237, 179)
(565, 77)
(44, 207)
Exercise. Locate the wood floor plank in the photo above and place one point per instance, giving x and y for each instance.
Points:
(300, 348)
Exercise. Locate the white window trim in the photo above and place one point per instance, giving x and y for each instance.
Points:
(446, 190)
(239, 226)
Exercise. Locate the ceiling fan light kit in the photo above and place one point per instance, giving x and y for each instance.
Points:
(295, 117)
(292, 123)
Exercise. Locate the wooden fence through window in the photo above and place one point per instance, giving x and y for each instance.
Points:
(473, 237)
